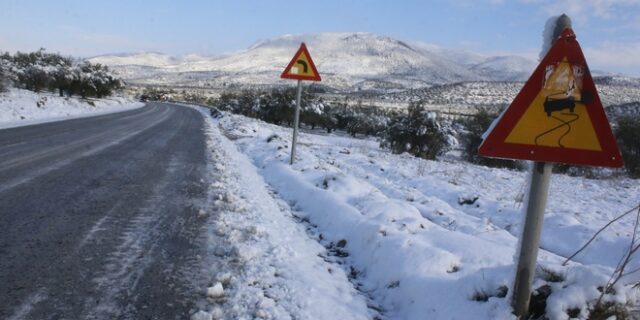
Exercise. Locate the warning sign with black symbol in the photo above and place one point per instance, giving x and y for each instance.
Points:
(301, 66)
(557, 116)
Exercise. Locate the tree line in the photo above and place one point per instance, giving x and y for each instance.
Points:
(38, 71)
(625, 129)
(416, 131)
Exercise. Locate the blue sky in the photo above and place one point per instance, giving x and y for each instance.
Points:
(608, 30)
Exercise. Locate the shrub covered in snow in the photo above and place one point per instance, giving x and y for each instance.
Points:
(39, 70)
(92, 80)
(627, 135)
(3, 78)
(278, 105)
(362, 119)
(475, 127)
(157, 94)
(415, 132)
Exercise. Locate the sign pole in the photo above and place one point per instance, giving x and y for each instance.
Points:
(296, 118)
(300, 68)
(532, 229)
(560, 89)
(529, 243)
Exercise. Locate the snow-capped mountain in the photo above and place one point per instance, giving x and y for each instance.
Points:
(346, 61)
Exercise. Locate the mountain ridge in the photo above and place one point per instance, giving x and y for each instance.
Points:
(346, 59)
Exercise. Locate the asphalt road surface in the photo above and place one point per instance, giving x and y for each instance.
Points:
(100, 218)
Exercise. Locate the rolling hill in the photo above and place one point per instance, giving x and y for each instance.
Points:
(347, 61)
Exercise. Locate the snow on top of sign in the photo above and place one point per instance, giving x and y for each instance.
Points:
(552, 29)
(547, 36)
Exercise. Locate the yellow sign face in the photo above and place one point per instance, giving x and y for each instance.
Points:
(558, 117)
(301, 67)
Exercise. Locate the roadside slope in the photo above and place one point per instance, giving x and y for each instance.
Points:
(268, 264)
(437, 239)
(22, 107)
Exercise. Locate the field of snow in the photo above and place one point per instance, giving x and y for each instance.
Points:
(22, 107)
(351, 231)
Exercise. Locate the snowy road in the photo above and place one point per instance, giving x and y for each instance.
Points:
(101, 217)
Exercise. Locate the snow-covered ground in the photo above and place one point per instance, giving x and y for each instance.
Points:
(22, 107)
(264, 263)
(351, 231)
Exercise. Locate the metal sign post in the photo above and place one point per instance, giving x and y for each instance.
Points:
(537, 200)
(296, 119)
(300, 68)
(556, 118)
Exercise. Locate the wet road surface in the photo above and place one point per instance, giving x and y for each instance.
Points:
(100, 218)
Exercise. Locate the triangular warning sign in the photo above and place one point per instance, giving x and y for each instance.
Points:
(557, 116)
(301, 66)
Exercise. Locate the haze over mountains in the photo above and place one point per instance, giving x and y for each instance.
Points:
(346, 61)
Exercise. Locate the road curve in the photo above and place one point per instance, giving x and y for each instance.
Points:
(101, 217)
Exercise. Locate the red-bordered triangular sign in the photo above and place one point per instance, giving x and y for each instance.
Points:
(557, 116)
(301, 66)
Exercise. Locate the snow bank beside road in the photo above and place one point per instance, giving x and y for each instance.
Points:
(429, 239)
(22, 107)
(265, 265)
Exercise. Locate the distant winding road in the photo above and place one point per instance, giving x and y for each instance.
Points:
(100, 218)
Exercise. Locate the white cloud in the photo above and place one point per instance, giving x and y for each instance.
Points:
(583, 10)
(614, 57)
